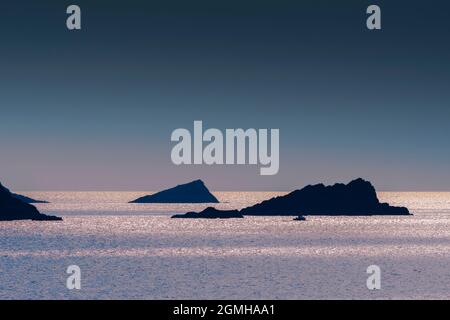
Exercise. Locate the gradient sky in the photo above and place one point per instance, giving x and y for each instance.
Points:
(94, 109)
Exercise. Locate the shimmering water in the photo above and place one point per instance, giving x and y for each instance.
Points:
(135, 251)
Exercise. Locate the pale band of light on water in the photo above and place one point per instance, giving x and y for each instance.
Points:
(136, 251)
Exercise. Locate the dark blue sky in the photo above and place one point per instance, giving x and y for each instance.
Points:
(94, 109)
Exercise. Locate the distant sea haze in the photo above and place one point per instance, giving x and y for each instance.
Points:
(136, 251)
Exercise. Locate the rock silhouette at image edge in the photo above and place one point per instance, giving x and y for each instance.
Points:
(27, 199)
(12, 208)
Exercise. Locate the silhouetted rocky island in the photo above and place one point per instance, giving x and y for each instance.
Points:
(357, 198)
(12, 208)
(27, 199)
(192, 192)
(211, 213)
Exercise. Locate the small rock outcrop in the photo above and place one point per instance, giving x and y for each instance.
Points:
(211, 213)
(192, 192)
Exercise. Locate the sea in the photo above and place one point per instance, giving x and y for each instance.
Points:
(136, 251)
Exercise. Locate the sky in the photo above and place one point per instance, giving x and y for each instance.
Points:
(94, 109)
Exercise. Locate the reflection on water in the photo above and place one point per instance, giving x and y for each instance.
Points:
(137, 251)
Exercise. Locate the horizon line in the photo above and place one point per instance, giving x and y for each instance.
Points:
(90, 190)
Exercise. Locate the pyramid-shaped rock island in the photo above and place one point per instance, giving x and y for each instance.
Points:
(192, 192)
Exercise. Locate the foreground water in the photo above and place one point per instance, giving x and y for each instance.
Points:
(135, 251)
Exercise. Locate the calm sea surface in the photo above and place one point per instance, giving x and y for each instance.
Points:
(135, 251)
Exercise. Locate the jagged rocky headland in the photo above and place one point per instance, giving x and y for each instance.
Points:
(357, 198)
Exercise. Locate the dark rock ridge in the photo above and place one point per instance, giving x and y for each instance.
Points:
(12, 208)
(27, 199)
(357, 198)
(211, 213)
(192, 192)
